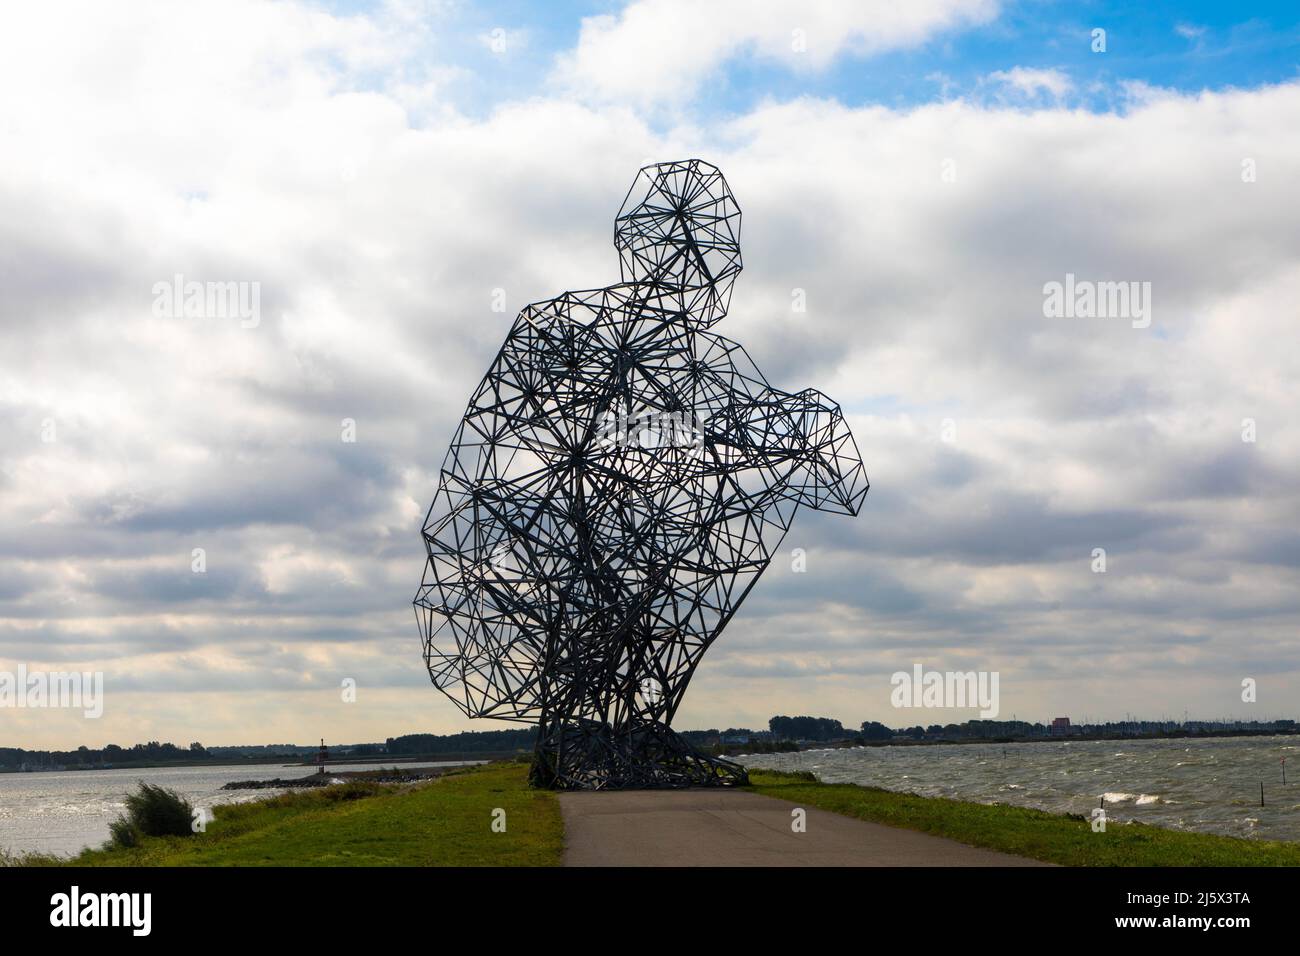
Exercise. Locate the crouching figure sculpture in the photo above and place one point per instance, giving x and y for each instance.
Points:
(619, 482)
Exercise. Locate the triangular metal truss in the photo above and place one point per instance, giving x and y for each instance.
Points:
(620, 480)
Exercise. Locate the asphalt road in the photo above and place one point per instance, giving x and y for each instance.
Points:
(735, 828)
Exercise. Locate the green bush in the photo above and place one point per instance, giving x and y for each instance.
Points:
(152, 811)
(124, 833)
(355, 790)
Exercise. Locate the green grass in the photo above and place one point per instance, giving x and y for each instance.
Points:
(444, 822)
(1068, 840)
(447, 822)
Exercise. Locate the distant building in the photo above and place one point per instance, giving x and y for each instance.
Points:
(1060, 726)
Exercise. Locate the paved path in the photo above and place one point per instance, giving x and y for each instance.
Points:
(735, 828)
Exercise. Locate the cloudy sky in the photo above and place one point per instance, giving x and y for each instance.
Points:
(384, 173)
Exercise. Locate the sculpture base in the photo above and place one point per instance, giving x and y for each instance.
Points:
(589, 755)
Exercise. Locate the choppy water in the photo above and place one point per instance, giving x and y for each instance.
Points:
(1209, 786)
(66, 811)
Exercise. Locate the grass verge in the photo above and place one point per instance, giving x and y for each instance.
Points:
(1054, 838)
(444, 822)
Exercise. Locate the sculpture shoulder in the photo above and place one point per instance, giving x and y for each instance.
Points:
(584, 309)
(728, 361)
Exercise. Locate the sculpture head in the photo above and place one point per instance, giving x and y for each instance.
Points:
(679, 229)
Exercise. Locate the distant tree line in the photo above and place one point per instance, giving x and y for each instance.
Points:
(828, 729)
(483, 741)
(701, 738)
(782, 733)
(1025, 730)
(806, 728)
(152, 752)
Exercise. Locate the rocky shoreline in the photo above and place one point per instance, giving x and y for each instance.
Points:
(386, 775)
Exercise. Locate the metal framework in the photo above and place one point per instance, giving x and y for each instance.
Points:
(618, 484)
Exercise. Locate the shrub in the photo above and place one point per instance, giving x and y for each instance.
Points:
(124, 833)
(152, 811)
(354, 790)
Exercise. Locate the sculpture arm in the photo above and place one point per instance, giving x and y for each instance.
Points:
(802, 441)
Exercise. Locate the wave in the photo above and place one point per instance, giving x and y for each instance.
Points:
(1195, 785)
(1139, 799)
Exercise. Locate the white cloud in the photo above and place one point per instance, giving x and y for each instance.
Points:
(1031, 83)
(664, 50)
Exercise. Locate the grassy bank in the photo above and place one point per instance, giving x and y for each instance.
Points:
(1068, 840)
(448, 822)
(445, 822)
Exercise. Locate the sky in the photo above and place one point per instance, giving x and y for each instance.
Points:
(221, 513)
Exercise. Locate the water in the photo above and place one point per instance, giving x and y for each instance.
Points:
(64, 812)
(1208, 786)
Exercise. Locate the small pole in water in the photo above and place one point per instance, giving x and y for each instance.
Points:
(1261, 793)
(1284, 770)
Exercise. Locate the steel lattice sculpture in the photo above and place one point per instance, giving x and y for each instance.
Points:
(618, 484)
